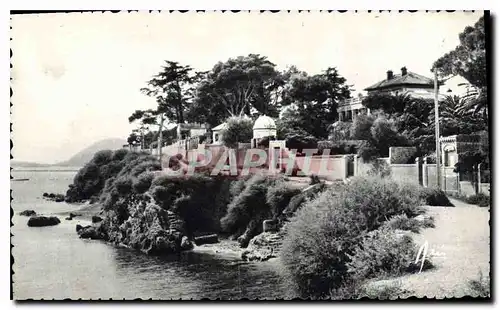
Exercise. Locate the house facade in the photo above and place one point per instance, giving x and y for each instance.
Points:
(406, 82)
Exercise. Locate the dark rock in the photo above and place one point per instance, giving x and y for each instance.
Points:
(91, 232)
(28, 213)
(186, 244)
(96, 219)
(69, 218)
(208, 239)
(79, 227)
(270, 226)
(39, 221)
(54, 197)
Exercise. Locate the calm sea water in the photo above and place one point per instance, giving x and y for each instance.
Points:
(53, 263)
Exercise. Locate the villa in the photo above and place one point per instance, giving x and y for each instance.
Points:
(407, 82)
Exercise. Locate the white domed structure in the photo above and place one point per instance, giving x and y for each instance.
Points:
(264, 126)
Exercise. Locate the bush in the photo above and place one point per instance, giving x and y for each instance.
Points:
(435, 197)
(480, 199)
(480, 286)
(143, 182)
(380, 168)
(93, 180)
(403, 222)
(300, 143)
(247, 205)
(325, 232)
(382, 253)
(335, 148)
(278, 197)
(238, 129)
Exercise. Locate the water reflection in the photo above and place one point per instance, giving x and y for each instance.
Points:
(197, 275)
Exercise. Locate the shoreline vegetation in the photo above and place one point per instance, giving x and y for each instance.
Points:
(330, 240)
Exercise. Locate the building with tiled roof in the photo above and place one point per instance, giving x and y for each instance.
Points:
(407, 82)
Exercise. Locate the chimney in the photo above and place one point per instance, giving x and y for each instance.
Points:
(404, 71)
(390, 75)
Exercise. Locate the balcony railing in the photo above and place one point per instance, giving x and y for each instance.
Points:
(351, 101)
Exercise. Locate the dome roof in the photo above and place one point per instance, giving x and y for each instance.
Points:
(264, 122)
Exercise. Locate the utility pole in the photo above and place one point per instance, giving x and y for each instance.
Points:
(436, 121)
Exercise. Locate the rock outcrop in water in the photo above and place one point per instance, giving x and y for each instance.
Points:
(27, 213)
(40, 221)
(54, 197)
(149, 228)
(263, 247)
(208, 239)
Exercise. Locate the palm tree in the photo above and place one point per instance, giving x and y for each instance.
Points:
(475, 102)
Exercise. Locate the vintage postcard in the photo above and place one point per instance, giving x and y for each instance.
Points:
(250, 155)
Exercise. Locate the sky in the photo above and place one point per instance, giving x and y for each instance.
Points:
(76, 76)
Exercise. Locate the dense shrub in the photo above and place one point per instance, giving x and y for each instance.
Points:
(247, 205)
(200, 200)
(93, 180)
(380, 168)
(480, 199)
(325, 232)
(278, 197)
(143, 182)
(340, 131)
(300, 143)
(335, 148)
(382, 253)
(380, 133)
(435, 197)
(239, 129)
(403, 222)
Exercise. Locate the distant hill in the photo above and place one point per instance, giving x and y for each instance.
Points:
(18, 163)
(85, 155)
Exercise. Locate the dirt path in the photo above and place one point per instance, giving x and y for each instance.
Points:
(459, 247)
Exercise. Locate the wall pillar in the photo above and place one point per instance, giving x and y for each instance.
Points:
(418, 163)
(425, 174)
(355, 165)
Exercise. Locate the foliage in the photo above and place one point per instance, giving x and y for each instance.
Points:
(468, 60)
(342, 147)
(236, 86)
(480, 199)
(339, 131)
(199, 200)
(239, 129)
(326, 231)
(382, 253)
(278, 197)
(435, 197)
(301, 143)
(403, 222)
(312, 101)
(90, 180)
(480, 287)
(379, 132)
(248, 205)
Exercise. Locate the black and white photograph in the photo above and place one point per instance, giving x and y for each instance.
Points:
(250, 155)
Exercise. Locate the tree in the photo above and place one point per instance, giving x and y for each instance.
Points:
(238, 85)
(468, 60)
(312, 101)
(171, 88)
(239, 129)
